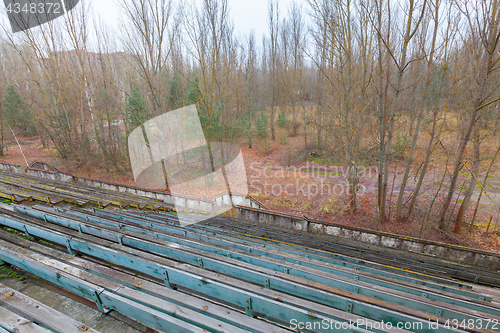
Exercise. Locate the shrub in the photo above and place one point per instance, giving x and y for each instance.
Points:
(284, 139)
(282, 121)
(262, 126)
(265, 147)
(401, 145)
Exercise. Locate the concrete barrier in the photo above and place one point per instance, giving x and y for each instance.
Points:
(11, 168)
(416, 245)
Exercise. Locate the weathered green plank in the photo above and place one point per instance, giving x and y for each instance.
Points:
(279, 281)
(225, 314)
(302, 269)
(105, 298)
(267, 307)
(230, 241)
(15, 323)
(215, 289)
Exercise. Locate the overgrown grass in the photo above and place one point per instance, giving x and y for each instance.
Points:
(285, 202)
(307, 205)
(334, 207)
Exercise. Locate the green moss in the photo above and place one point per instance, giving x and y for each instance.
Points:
(22, 278)
(2, 276)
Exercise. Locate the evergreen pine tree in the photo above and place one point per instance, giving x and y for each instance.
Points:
(16, 113)
(136, 111)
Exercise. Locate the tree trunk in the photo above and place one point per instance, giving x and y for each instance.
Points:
(472, 184)
(456, 170)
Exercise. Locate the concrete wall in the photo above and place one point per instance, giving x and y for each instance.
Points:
(11, 168)
(441, 250)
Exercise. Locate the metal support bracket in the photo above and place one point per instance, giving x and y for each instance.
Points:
(27, 233)
(439, 312)
(349, 307)
(68, 246)
(200, 262)
(98, 303)
(167, 281)
(356, 290)
(120, 239)
(248, 307)
(425, 295)
(79, 228)
(286, 270)
(267, 283)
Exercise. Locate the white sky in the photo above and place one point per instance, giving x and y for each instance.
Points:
(245, 14)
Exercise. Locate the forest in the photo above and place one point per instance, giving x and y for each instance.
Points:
(409, 89)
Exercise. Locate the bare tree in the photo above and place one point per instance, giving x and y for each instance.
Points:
(273, 17)
(482, 45)
(149, 32)
(413, 16)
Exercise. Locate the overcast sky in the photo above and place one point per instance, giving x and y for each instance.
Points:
(246, 14)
